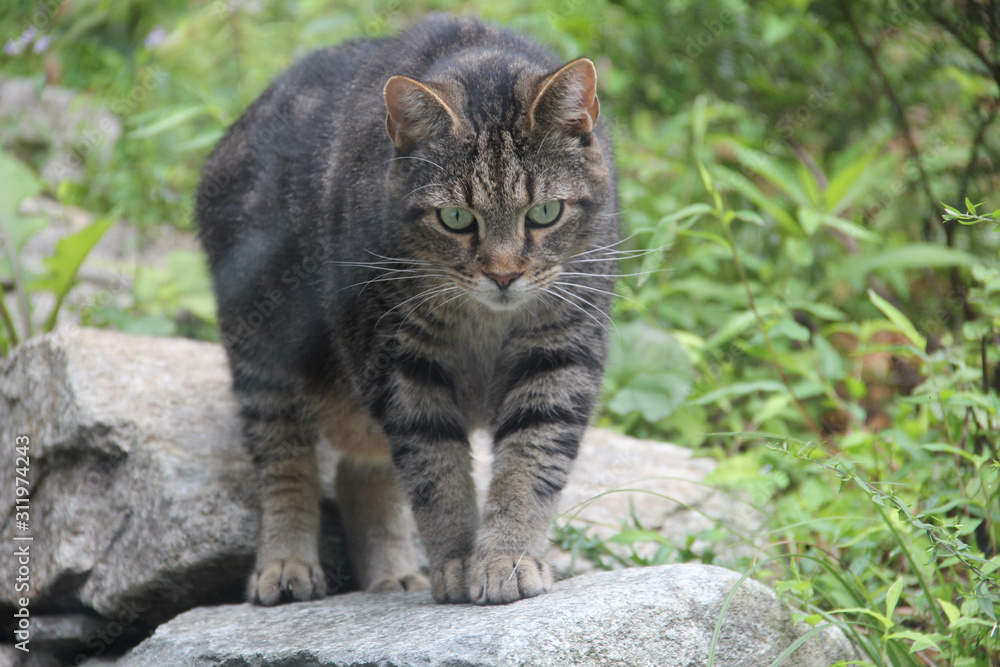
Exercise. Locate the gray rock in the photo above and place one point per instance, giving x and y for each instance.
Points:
(142, 497)
(649, 616)
(138, 485)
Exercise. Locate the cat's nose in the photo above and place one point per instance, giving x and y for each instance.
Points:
(503, 280)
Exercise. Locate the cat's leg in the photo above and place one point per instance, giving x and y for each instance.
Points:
(540, 421)
(280, 434)
(416, 406)
(379, 526)
(373, 508)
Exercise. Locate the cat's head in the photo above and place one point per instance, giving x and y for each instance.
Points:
(498, 174)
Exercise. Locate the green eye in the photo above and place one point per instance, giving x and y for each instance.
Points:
(456, 219)
(545, 213)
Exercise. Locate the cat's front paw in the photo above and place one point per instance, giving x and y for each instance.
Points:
(448, 582)
(286, 580)
(499, 578)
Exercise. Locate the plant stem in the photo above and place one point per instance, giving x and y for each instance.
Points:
(767, 338)
(7, 321)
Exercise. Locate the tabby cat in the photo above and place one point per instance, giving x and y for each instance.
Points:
(412, 238)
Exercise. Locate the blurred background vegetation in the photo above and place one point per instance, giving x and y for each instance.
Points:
(801, 305)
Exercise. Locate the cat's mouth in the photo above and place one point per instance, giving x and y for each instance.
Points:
(514, 292)
(499, 298)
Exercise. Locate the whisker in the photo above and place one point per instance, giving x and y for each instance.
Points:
(412, 157)
(594, 289)
(617, 255)
(445, 290)
(385, 279)
(563, 293)
(443, 286)
(613, 275)
(604, 247)
(388, 269)
(541, 145)
(462, 293)
(398, 259)
(429, 185)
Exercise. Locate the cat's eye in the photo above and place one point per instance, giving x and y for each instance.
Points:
(456, 219)
(545, 213)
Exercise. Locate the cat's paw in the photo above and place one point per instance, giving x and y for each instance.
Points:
(286, 580)
(448, 582)
(409, 582)
(499, 578)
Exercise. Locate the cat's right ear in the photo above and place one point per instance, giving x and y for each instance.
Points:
(568, 97)
(414, 111)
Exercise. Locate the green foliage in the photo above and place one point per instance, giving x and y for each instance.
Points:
(794, 302)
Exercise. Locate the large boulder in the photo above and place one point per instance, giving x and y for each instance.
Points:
(651, 616)
(139, 495)
(142, 499)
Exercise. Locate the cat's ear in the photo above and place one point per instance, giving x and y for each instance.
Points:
(568, 96)
(414, 111)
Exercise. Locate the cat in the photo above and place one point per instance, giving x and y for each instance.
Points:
(411, 238)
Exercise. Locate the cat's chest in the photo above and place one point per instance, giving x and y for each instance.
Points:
(474, 358)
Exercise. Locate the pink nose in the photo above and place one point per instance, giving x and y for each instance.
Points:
(503, 280)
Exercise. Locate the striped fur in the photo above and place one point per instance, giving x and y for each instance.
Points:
(349, 309)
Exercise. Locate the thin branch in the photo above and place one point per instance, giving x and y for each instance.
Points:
(967, 41)
(897, 107)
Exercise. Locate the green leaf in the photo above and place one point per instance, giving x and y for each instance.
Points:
(848, 228)
(921, 641)
(950, 610)
(65, 262)
(19, 183)
(633, 536)
(901, 321)
(809, 219)
(690, 211)
(738, 325)
(851, 181)
(738, 390)
(750, 216)
(171, 121)
(788, 328)
(654, 397)
(767, 203)
(892, 597)
(830, 360)
(649, 371)
(912, 256)
(772, 406)
(774, 171)
(985, 603)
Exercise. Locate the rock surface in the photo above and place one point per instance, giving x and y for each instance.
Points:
(142, 498)
(650, 616)
(138, 484)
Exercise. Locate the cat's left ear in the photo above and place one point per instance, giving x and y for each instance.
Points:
(415, 111)
(568, 96)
